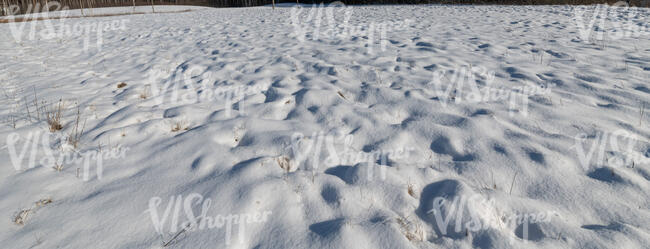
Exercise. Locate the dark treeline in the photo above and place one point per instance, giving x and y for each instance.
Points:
(32, 6)
(8, 7)
(246, 3)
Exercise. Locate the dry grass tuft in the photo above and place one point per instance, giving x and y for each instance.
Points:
(21, 217)
(58, 167)
(641, 113)
(145, 92)
(53, 116)
(284, 163)
(513, 183)
(180, 125)
(75, 135)
(43, 202)
(411, 190)
(341, 94)
(412, 231)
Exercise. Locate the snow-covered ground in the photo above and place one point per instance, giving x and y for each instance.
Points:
(446, 126)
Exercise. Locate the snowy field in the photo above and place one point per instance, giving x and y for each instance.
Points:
(351, 127)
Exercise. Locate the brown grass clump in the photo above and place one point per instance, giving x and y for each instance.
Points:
(180, 125)
(412, 231)
(341, 94)
(411, 190)
(284, 163)
(21, 217)
(58, 167)
(75, 135)
(43, 202)
(144, 93)
(53, 116)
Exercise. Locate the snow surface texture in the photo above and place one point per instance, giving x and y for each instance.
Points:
(292, 130)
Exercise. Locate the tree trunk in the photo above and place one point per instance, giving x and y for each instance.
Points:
(4, 8)
(90, 5)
